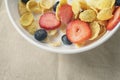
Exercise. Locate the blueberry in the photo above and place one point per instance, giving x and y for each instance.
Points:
(25, 1)
(40, 34)
(117, 3)
(65, 40)
(55, 6)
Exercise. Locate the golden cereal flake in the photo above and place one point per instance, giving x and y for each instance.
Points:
(80, 44)
(102, 4)
(88, 15)
(22, 8)
(52, 32)
(103, 23)
(26, 19)
(83, 4)
(55, 44)
(57, 11)
(32, 28)
(63, 28)
(95, 28)
(33, 6)
(103, 30)
(105, 14)
(92, 3)
(47, 4)
(76, 8)
(62, 2)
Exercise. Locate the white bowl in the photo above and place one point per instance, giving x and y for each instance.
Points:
(12, 10)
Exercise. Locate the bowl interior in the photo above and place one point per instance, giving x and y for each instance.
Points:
(12, 9)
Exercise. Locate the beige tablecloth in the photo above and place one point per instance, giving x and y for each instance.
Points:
(20, 60)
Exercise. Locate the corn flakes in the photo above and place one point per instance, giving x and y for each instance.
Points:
(76, 8)
(105, 14)
(32, 28)
(33, 6)
(46, 4)
(88, 15)
(102, 4)
(26, 19)
(95, 27)
(22, 8)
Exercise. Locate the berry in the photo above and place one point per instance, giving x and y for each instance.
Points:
(25, 1)
(117, 3)
(65, 13)
(78, 31)
(48, 21)
(40, 34)
(115, 20)
(65, 40)
(55, 6)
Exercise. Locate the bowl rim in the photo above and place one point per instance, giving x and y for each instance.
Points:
(79, 50)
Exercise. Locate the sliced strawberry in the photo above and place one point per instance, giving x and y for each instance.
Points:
(78, 31)
(65, 13)
(115, 20)
(48, 21)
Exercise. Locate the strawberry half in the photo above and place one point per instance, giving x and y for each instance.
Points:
(48, 21)
(115, 20)
(78, 31)
(65, 13)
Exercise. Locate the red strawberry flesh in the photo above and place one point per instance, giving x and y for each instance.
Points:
(115, 20)
(78, 31)
(49, 21)
(65, 13)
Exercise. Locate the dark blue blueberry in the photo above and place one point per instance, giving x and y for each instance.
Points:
(65, 40)
(117, 3)
(40, 34)
(25, 1)
(55, 6)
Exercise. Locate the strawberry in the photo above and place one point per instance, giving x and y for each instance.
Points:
(78, 31)
(48, 21)
(65, 13)
(114, 20)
